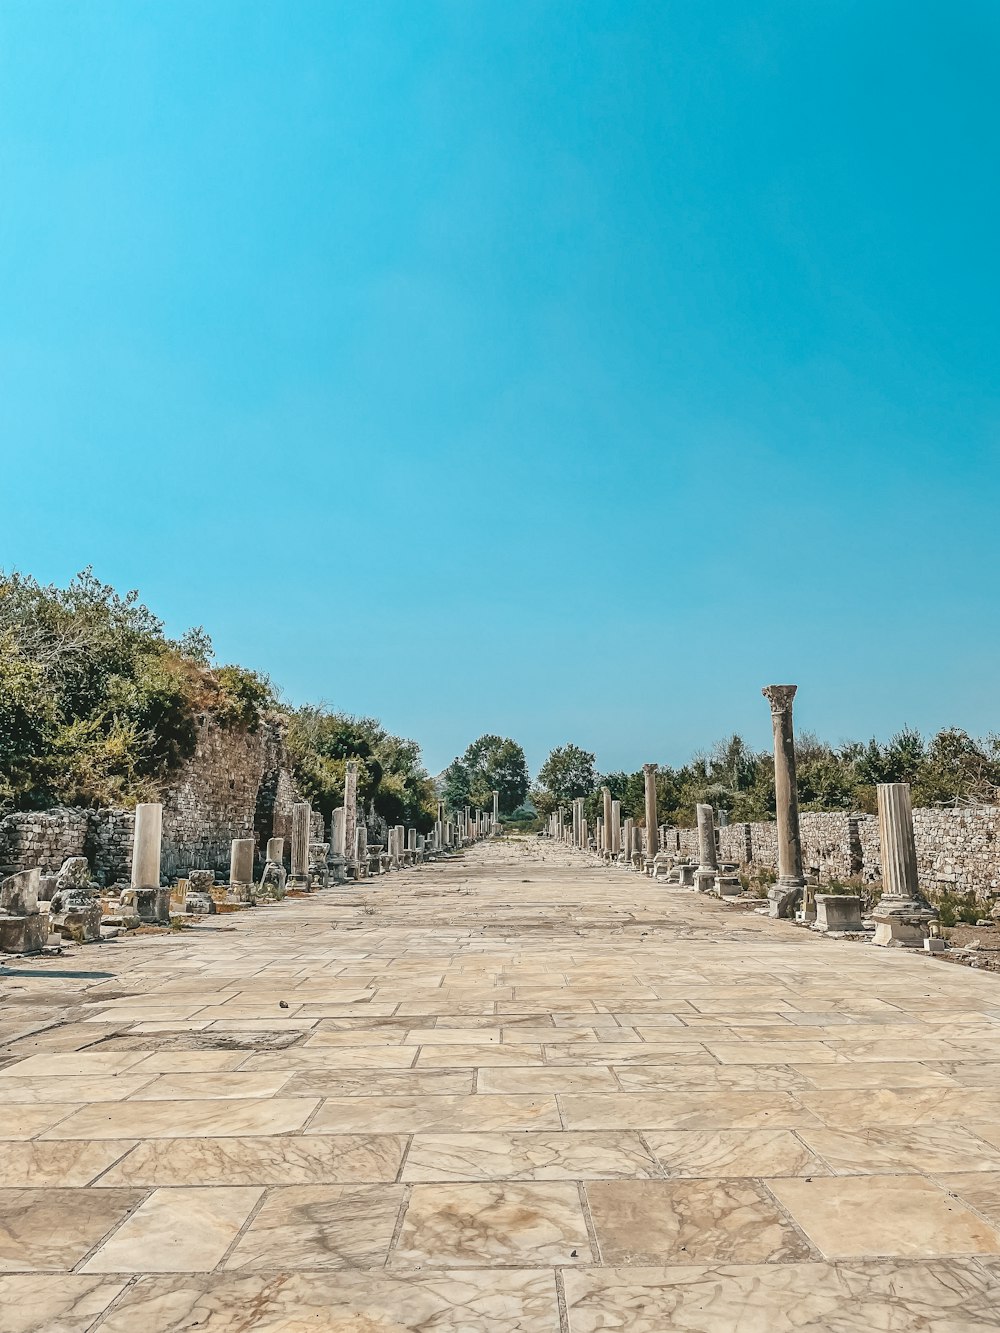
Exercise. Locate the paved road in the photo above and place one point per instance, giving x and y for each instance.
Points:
(515, 1092)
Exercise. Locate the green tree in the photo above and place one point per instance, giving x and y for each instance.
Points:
(489, 764)
(568, 772)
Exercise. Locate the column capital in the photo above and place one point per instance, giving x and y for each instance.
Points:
(649, 768)
(779, 697)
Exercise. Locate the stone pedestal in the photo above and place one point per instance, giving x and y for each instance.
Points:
(200, 904)
(838, 911)
(902, 917)
(241, 852)
(786, 893)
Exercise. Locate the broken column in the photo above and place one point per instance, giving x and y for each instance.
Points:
(23, 928)
(902, 916)
(241, 869)
(299, 877)
(151, 903)
(274, 866)
(785, 894)
(708, 857)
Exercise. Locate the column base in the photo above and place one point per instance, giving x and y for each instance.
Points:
(902, 923)
(784, 898)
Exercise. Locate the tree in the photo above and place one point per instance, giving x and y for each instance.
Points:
(568, 772)
(490, 764)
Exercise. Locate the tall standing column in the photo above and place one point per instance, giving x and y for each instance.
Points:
(606, 826)
(708, 857)
(351, 815)
(627, 845)
(652, 842)
(786, 797)
(902, 916)
(299, 878)
(496, 808)
(616, 827)
(599, 835)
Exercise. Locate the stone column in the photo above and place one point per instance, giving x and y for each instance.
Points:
(616, 827)
(299, 877)
(584, 834)
(399, 847)
(351, 815)
(146, 846)
(791, 881)
(496, 808)
(652, 842)
(902, 916)
(599, 834)
(361, 849)
(606, 822)
(708, 856)
(152, 903)
(276, 850)
(241, 867)
(627, 847)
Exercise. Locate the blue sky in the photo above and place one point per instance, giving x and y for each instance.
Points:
(568, 370)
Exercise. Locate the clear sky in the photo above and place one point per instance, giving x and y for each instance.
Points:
(567, 370)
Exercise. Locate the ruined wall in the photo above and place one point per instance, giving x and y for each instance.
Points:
(237, 784)
(957, 849)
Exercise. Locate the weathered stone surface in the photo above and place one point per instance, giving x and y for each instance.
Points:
(838, 911)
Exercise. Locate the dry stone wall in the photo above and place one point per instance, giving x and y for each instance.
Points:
(958, 850)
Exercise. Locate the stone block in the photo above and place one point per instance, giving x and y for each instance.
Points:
(24, 934)
(838, 911)
(19, 893)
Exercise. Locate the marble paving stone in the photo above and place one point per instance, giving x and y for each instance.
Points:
(299, 1160)
(411, 1115)
(182, 1087)
(191, 1062)
(752, 1051)
(683, 1110)
(553, 1155)
(475, 1055)
(897, 1149)
(176, 1231)
(377, 1083)
(980, 1190)
(320, 1226)
(957, 1296)
(901, 1074)
(567, 1078)
(98, 1088)
(894, 1216)
(22, 1121)
(706, 1077)
(969, 1073)
(359, 1057)
(73, 1064)
(53, 1303)
(455, 1301)
(534, 1224)
(50, 1230)
(624, 1054)
(66, 1164)
(167, 1120)
(902, 1106)
(685, 1221)
(745, 1152)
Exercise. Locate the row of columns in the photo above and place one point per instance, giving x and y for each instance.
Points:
(902, 916)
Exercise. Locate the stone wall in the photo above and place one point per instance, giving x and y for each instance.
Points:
(237, 784)
(958, 850)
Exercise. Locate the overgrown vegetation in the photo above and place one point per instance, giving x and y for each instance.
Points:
(99, 707)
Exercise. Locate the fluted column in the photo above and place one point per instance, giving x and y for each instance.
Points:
(351, 814)
(785, 790)
(299, 877)
(652, 842)
(901, 916)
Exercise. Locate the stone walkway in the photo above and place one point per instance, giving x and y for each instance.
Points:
(514, 1092)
